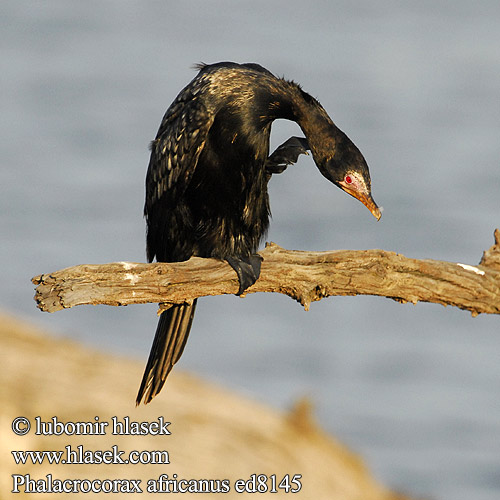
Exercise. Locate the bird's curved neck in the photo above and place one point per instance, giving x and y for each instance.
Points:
(317, 126)
(296, 105)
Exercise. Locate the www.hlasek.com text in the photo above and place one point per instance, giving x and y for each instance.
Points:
(79, 455)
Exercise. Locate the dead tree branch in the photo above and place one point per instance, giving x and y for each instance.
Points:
(304, 276)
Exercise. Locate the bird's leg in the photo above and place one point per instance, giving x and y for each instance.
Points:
(247, 269)
(286, 154)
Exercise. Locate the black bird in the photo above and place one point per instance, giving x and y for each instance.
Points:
(206, 185)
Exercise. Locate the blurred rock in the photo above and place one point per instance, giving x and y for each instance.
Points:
(214, 434)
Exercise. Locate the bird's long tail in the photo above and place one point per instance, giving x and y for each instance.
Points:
(170, 338)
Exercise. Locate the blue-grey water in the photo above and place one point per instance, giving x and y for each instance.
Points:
(84, 85)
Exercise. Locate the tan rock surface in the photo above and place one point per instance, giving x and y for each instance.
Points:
(215, 434)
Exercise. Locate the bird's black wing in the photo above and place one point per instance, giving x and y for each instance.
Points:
(174, 156)
(178, 144)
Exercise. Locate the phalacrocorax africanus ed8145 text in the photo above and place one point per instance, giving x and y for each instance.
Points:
(206, 184)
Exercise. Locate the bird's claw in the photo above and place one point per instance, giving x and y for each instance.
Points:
(286, 154)
(247, 269)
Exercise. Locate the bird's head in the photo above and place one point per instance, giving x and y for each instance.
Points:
(347, 169)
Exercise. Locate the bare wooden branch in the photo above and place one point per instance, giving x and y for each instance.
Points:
(304, 276)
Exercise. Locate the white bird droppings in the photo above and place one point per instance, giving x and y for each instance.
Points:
(127, 265)
(471, 268)
(132, 277)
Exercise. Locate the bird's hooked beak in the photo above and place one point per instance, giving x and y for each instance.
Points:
(369, 203)
(364, 197)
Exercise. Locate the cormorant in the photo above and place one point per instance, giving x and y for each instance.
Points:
(206, 184)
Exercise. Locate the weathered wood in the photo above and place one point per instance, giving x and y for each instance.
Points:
(304, 276)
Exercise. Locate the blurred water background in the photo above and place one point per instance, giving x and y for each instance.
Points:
(84, 85)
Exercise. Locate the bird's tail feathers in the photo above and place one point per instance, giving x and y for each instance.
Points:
(170, 338)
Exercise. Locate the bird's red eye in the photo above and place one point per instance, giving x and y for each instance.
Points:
(348, 179)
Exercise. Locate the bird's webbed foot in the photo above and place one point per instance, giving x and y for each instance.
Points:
(286, 154)
(247, 269)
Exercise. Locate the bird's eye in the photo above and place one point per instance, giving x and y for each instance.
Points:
(348, 179)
